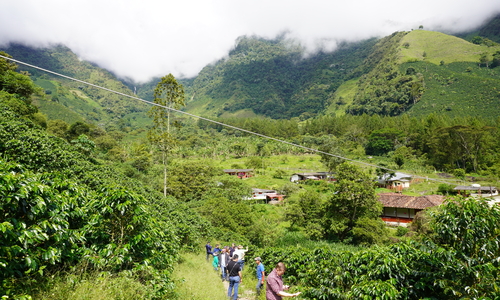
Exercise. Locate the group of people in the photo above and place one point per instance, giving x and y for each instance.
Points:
(231, 261)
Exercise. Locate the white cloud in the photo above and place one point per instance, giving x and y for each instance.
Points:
(142, 39)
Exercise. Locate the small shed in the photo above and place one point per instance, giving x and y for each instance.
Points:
(274, 197)
(265, 195)
(476, 190)
(400, 208)
(240, 173)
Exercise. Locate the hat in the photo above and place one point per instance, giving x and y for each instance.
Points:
(240, 247)
(258, 258)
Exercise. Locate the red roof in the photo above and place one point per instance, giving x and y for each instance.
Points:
(404, 201)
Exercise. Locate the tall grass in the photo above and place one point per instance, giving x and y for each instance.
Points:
(93, 286)
(197, 280)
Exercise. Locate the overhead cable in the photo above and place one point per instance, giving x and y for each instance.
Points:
(210, 120)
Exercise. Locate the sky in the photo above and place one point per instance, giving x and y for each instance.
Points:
(143, 39)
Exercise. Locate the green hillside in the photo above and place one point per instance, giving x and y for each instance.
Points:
(458, 89)
(276, 78)
(273, 78)
(439, 47)
(342, 98)
(71, 101)
(421, 72)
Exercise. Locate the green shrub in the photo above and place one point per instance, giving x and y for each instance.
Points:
(401, 231)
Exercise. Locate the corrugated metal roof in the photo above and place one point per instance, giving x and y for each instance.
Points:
(475, 188)
(256, 190)
(404, 201)
(313, 174)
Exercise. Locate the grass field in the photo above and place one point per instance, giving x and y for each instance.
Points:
(440, 47)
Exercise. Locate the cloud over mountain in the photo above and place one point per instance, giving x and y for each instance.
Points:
(142, 39)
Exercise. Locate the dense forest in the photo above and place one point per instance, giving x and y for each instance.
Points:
(91, 193)
(271, 78)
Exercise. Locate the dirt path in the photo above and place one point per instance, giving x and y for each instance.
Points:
(243, 294)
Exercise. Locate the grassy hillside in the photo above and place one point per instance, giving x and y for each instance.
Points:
(436, 47)
(422, 72)
(342, 98)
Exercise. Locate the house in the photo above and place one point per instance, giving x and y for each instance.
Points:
(397, 182)
(476, 190)
(313, 176)
(266, 195)
(261, 194)
(241, 173)
(401, 209)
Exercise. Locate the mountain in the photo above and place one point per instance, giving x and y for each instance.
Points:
(72, 101)
(416, 73)
(489, 30)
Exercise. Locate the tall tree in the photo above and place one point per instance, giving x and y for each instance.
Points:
(460, 146)
(384, 140)
(331, 146)
(354, 198)
(168, 94)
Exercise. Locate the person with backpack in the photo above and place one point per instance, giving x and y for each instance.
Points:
(234, 272)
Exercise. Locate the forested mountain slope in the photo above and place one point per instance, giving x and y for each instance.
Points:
(71, 101)
(274, 78)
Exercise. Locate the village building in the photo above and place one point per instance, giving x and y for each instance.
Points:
(476, 190)
(312, 176)
(401, 209)
(397, 181)
(240, 173)
(266, 195)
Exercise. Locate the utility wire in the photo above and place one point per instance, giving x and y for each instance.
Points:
(213, 121)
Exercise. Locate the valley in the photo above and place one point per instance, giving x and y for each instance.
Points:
(101, 199)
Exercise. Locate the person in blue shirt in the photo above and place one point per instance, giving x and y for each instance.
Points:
(209, 250)
(216, 249)
(261, 275)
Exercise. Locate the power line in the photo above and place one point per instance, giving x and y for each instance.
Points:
(212, 121)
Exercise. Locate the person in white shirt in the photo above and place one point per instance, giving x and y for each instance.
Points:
(241, 255)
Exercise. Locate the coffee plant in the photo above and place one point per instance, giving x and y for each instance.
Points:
(460, 260)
